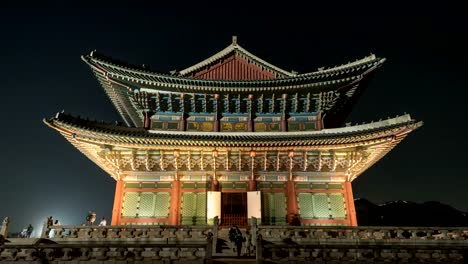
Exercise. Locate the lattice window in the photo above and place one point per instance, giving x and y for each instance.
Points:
(194, 208)
(322, 205)
(337, 205)
(306, 208)
(273, 208)
(146, 204)
(130, 204)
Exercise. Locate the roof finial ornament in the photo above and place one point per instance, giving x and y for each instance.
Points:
(234, 40)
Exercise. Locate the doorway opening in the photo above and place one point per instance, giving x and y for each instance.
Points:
(234, 209)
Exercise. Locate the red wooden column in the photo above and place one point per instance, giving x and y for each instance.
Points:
(250, 125)
(147, 122)
(118, 198)
(175, 203)
(351, 211)
(182, 116)
(284, 123)
(291, 200)
(252, 181)
(216, 114)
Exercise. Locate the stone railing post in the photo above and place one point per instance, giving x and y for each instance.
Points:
(5, 227)
(254, 230)
(45, 230)
(209, 248)
(215, 232)
(259, 250)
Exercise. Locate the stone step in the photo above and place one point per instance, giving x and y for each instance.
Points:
(229, 260)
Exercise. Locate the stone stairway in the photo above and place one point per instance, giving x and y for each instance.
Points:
(225, 252)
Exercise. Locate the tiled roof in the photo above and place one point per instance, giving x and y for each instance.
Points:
(114, 134)
(314, 82)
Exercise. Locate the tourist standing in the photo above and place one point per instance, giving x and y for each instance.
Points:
(238, 239)
(248, 243)
(103, 222)
(232, 235)
(29, 231)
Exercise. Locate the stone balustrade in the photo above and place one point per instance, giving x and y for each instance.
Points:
(128, 232)
(91, 244)
(274, 244)
(361, 244)
(86, 252)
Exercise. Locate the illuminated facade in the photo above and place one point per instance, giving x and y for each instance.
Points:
(233, 136)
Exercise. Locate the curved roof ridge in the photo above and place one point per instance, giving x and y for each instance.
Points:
(357, 62)
(387, 123)
(233, 47)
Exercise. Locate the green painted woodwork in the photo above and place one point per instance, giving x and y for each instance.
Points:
(310, 126)
(194, 208)
(322, 205)
(271, 185)
(337, 205)
(172, 125)
(163, 185)
(305, 205)
(335, 186)
(130, 204)
(194, 185)
(273, 208)
(146, 204)
(148, 185)
(234, 185)
(319, 186)
(132, 185)
(294, 127)
(157, 125)
(152, 185)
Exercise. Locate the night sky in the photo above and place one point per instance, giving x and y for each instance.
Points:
(41, 73)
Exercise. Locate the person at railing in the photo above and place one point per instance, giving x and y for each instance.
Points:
(50, 221)
(295, 221)
(238, 240)
(29, 231)
(232, 233)
(90, 218)
(247, 244)
(103, 222)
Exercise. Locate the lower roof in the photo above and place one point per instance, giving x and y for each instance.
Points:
(98, 132)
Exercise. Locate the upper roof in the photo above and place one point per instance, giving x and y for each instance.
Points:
(316, 81)
(235, 49)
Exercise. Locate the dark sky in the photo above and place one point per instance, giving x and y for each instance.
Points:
(42, 73)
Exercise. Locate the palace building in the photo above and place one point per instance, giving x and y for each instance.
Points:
(233, 136)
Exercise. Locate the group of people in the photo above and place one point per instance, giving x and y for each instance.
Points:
(237, 240)
(50, 221)
(91, 218)
(27, 232)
